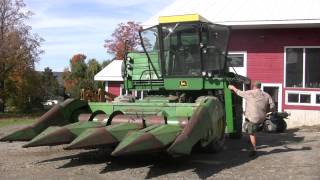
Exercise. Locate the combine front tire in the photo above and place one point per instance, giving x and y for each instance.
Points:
(217, 144)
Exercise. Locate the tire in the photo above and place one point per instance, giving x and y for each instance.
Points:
(282, 126)
(269, 126)
(217, 144)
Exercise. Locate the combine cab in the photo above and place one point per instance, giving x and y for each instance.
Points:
(184, 76)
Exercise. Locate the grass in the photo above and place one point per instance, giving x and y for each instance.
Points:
(14, 121)
(8, 119)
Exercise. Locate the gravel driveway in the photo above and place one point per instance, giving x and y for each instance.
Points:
(291, 155)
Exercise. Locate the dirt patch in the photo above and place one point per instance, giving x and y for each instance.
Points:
(291, 155)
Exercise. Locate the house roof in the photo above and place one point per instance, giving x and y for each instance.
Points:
(244, 13)
(112, 72)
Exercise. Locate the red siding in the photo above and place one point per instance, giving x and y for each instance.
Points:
(114, 87)
(302, 107)
(265, 51)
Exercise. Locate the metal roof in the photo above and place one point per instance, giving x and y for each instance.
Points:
(244, 13)
(112, 72)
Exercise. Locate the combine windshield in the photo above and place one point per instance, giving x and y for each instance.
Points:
(214, 47)
(150, 43)
(150, 39)
(181, 51)
(188, 49)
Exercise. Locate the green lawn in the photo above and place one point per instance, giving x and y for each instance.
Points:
(7, 120)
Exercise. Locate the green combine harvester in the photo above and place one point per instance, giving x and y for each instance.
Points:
(184, 75)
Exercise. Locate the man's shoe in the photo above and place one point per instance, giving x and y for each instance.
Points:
(252, 153)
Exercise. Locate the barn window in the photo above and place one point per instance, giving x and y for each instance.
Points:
(302, 67)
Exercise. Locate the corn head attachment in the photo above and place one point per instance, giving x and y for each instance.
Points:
(61, 114)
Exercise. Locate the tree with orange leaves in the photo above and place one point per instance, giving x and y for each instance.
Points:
(19, 51)
(73, 77)
(80, 75)
(125, 31)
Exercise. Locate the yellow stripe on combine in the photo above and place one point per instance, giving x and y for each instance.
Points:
(181, 18)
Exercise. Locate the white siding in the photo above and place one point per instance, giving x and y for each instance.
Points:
(302, 118)
(246, 12)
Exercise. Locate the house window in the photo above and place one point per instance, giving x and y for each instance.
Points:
(307, 98)
(235, 60)
(318, 99)
(294, 67)
(293, 98)
(312, 65)
(302, 66)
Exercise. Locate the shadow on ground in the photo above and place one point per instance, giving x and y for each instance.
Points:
(99, 156)
(204, 165)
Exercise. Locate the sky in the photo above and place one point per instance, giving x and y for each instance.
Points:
(81, 26)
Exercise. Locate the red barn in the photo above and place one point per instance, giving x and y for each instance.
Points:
(276, 42)
(111, 75)
(112, 78)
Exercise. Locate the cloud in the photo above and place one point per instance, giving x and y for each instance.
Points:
(57, 22)
(81, 26)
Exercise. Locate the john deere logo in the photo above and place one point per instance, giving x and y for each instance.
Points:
(183, 83)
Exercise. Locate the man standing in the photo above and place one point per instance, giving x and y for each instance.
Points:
(258, 103)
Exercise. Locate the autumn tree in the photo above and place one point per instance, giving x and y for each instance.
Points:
(73, 77)
(125, 31)
(80, 75)
(25, 90)
(78, 66)
(93, 68)
(19, 48)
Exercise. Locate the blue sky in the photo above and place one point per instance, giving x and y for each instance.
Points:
(81, 26)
